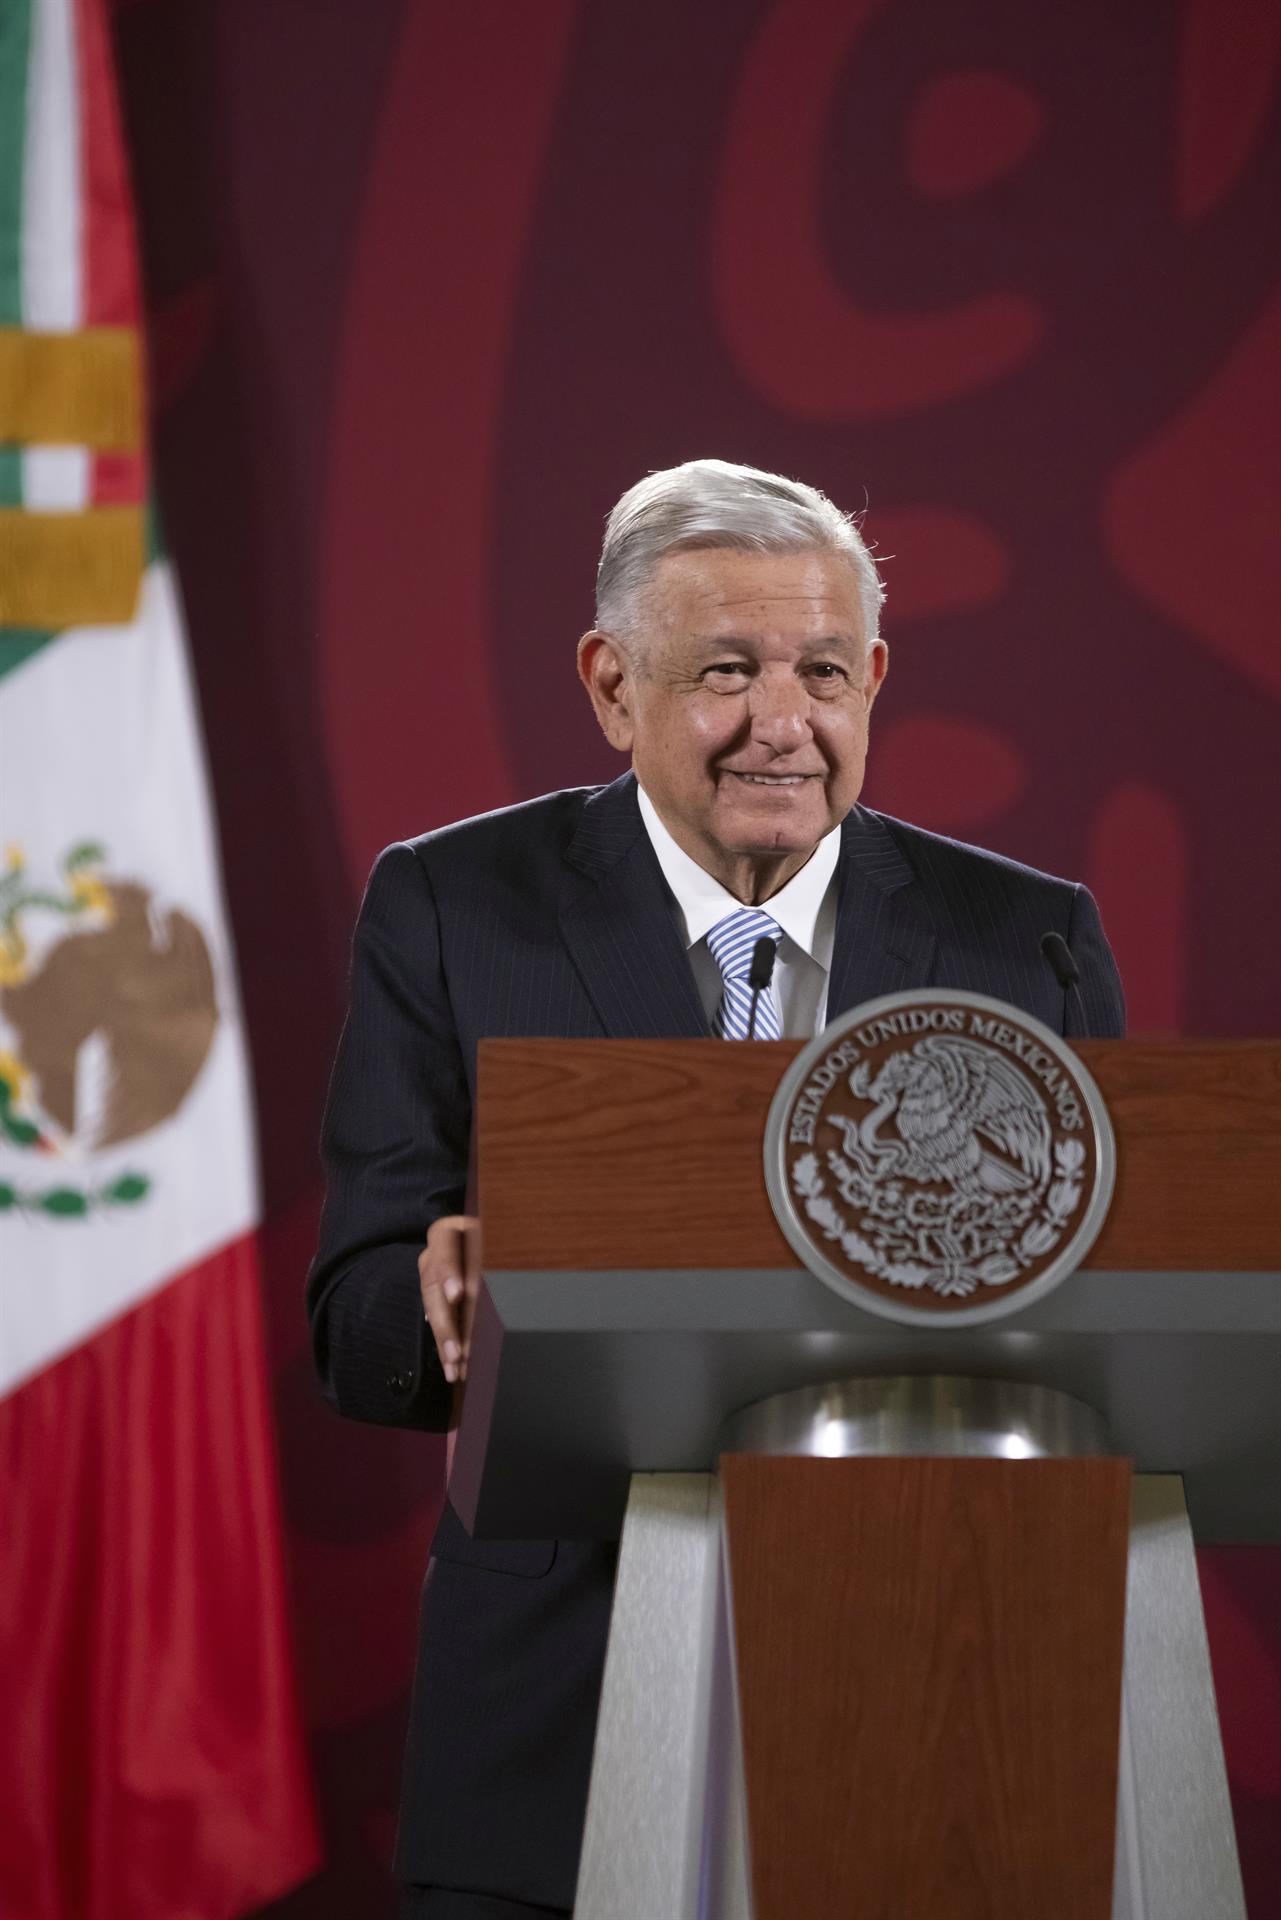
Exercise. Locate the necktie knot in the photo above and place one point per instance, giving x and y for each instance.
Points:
(732, 942)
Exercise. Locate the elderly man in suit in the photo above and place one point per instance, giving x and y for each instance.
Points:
(735, 660)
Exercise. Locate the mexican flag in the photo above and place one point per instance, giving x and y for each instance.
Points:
(152, 1763)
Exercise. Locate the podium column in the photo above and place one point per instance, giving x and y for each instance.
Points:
(919, 1705)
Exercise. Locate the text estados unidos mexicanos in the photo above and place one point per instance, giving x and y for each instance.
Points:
(896, 1026)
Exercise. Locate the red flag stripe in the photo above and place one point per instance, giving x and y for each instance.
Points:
(110, 275)
(153, 1764)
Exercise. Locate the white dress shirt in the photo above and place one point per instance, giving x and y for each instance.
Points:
(805, 909)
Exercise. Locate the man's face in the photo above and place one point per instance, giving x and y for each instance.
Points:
(744, 705)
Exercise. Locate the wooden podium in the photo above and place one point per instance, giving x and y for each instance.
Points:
(920, 1645)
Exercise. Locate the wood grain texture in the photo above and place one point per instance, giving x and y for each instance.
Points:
(645, 1154)
(929, 1660)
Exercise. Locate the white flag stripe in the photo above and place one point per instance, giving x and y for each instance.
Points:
(55, 479)
(52, 213)
(102, 743)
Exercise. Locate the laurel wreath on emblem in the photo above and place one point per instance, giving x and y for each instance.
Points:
(953, 1176)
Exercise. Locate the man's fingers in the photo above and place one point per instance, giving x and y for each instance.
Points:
(443, 1269)
(440, 1318)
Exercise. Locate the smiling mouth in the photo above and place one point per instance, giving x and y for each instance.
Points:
(772, 779)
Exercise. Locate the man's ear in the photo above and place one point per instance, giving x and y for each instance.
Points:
(877, 666)
(606, 672)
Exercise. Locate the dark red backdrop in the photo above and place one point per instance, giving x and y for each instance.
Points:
(431, 284)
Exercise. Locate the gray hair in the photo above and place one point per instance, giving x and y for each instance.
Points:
(714, 503)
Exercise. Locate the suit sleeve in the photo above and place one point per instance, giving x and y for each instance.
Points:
(1101, 989)
(394, 1146)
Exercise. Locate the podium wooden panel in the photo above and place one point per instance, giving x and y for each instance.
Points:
(643, 1154)
(978, 1603)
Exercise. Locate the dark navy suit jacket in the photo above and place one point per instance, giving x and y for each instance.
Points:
(553, 918)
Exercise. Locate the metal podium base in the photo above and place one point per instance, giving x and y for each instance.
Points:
(915, 1414)
(666, 1826)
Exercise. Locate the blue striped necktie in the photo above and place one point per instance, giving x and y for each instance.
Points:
(732, 941)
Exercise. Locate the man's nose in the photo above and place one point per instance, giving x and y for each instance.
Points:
(780, 712)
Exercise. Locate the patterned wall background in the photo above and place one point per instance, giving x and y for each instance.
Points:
(430, 285)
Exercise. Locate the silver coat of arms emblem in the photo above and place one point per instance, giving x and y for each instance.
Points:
(939, 1156)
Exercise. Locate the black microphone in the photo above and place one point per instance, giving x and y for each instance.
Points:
(1066, 972)
(759, 975)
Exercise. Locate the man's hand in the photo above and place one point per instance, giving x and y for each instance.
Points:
(448, 1274)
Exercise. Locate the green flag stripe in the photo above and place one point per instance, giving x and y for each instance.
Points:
(15, 53)
(17, 645)
(10, 476)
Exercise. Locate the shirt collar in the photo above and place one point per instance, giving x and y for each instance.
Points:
(703, 901)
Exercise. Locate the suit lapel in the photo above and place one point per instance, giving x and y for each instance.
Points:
(885, 940)
(617, 921)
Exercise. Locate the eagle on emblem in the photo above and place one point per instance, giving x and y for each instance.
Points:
(950, 1110)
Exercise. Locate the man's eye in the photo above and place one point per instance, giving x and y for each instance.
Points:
(726, 670)
(826, 672)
